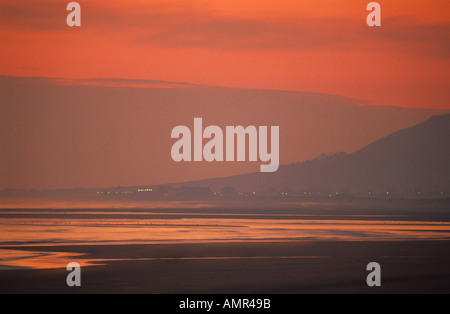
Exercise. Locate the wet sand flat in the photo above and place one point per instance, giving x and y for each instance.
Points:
(407, 266)
(290, 248)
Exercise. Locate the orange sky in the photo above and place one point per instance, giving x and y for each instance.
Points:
(305, 45)
(78, 129)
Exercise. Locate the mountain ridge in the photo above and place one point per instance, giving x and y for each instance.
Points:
(413, 158)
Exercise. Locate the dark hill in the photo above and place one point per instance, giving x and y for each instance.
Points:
(414, 158)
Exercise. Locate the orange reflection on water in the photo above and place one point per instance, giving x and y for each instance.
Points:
(20, 259)
(15, 259)
(107, 230)
(61, 224)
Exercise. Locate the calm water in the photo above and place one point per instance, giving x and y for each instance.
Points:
(177, 222)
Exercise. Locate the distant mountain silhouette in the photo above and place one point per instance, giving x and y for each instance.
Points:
(414, 158)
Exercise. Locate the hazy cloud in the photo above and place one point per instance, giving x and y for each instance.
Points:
(33, 15)
(69, 135)
(182, 24)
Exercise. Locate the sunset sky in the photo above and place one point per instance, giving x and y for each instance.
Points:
(303, 45)
(143, 67)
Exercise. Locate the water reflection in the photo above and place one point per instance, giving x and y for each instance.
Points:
(32, 227)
